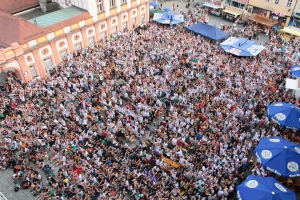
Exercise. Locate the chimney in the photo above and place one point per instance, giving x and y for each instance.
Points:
(43, 4)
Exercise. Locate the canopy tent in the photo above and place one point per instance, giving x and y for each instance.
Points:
(290, 31)
(168, 17)
(211, 5)
(234, 13)
(242, 47)
(156, 11)
(208, 31)
(154, 4)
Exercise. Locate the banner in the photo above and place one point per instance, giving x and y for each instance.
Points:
(157, 16)
(179, 18)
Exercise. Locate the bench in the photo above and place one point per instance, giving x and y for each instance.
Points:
(170, 162)
(90, 117)
(183, 149)
(99, 107)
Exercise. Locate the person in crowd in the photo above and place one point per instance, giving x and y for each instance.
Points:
(154, 114)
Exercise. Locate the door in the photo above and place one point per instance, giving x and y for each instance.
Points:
(33, 71)
(91, 42)
(114, 29)
(63, 53)
(143, 18)
(78, 46)
(49, 66)
(103, 35)
(134, 22)
(124, 26)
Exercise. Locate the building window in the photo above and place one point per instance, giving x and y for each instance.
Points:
(296, 23)
(259, 11)
(276, 2)
(99, 5)
(63, 53)
(289, 3)
(235, 4)
(33, 71)
(112, 3)
(123, 1)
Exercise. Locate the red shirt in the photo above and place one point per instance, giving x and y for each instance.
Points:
(104, 134)
(201, 105)
(179, 143)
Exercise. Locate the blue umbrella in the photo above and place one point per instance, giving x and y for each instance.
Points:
(279, 156)
(167, 9)
(263, 188)
(295, 71)
(154, 4)
(285, 114)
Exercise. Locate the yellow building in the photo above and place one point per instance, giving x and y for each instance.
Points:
(295, 21)
(265, 8)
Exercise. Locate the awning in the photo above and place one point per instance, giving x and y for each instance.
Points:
(156, 11)
(232, 12)
(206, 4)
(262, 20)
(290, 31)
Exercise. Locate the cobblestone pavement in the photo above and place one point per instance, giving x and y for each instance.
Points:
(7, 187)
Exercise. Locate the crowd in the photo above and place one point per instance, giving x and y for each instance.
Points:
(156, 114)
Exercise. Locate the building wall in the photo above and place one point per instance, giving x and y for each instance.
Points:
(297, 8)
(30, 59)
(271, 6)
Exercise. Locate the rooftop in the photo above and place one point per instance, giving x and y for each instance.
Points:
(22, 29)
(33, 14)
(14, 6)
(45, 20)
(16, 30)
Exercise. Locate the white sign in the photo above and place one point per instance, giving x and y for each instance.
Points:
(230, 41)
(179, 18)
(255, 49)
(157, 16)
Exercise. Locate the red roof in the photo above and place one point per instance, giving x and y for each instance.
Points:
(21, 31)
(16, 29)
(14, 6)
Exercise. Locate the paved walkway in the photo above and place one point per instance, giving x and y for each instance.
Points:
(213, 20)
(7, 187)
